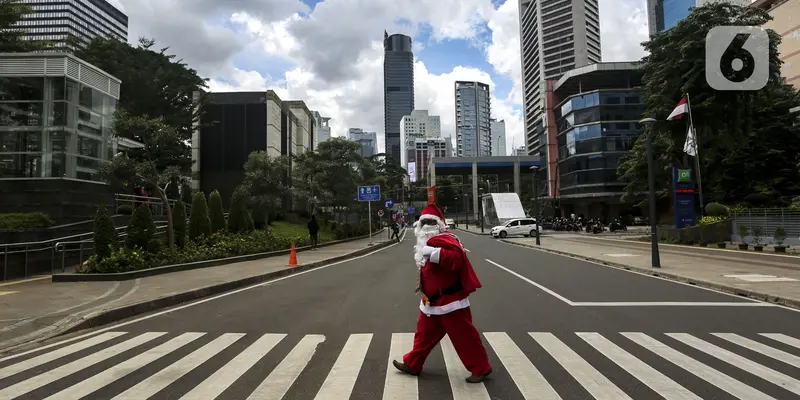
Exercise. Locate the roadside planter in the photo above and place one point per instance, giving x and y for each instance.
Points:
(743, 231)
(779, 236)
(757, 235)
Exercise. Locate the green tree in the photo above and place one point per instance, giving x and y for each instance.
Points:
(199, 222)
(141, 228)
(265, 181)
(239, 219)
(181, 225)
(173, 189)
(154, 84)
(142, 169)
(186, 193)
(11, 36)
(729, 124)
(215, 212)
(105, 235)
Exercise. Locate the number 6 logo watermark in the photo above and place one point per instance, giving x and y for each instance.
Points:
(737, 58)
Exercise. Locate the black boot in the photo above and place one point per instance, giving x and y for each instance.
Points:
(405, 368)
(479, 378)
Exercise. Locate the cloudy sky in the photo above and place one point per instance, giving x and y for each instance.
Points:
(330, 53)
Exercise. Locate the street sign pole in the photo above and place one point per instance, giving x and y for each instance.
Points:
(369, 194)
(369, 212)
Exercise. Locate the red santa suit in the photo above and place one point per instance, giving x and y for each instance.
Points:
(446, 281)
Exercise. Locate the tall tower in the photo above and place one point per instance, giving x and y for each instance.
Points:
(398, 89)
(473, 119)
(85, 19)
(554, 38)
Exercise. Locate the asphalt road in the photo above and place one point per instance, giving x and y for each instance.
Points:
(554, 327)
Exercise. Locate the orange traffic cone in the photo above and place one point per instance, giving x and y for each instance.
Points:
(293, 258)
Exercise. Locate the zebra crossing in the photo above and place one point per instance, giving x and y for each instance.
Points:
(527, 365)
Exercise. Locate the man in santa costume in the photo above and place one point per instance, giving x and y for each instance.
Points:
(446, 279)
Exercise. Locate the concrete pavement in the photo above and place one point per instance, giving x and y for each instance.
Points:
(554, 327)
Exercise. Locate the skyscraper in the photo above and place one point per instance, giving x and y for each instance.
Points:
(398, 89)
(54, 20)
(662, 15)
(499, 138)
(555, 37)
(418, 125)
(473, 112)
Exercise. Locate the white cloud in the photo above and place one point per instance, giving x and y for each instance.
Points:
(337, 51)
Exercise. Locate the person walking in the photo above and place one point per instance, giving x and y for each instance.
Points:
(313, 230)
(395, 231)
(446, 279)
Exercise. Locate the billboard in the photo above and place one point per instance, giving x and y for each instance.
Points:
(412, 172)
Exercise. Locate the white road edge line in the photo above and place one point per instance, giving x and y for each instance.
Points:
(178, 308)
(631, 303)
(764, 303)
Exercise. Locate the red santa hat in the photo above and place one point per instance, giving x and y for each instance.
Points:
(431, 211)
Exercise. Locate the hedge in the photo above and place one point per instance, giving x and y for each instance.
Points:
(35, 220)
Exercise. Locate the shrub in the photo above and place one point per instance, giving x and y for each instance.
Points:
(125, 209)
(173, 190)
(722, 231)
(179, 224)
(743, 232)
(779, 236)
(710, 220)
(141, 228)
(758, 234)
(238, 215)
(186, 193)
(105, 236)
(703, 232)
(153, 246)
(199, 223)
(717, 210)
(35, 220)
(215, 212)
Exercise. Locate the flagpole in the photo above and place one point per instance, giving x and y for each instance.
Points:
(696, 156)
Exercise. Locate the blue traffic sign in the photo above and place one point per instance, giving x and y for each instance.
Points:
(411, 209)
(369, 193)
(388, 203)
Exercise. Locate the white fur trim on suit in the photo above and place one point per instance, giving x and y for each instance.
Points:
(445, 309)
(438, 220)
(435, 255)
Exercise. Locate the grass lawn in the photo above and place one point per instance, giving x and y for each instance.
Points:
(287, 229)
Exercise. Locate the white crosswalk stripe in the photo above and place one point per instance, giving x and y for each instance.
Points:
(527, 365)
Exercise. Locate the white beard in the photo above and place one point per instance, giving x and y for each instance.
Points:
(423, 233)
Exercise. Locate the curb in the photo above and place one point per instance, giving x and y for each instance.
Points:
(166, 269)
(108, 316)
(765, 297)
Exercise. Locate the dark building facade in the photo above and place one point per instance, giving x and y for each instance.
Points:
(664, 14)
(398, 89)
(596, 117)
(54, 20)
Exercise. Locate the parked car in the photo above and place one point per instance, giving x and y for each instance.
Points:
(450, 223)
(521, 226)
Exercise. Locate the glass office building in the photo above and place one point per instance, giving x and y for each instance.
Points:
(665, 14)
(398, 90)
(473, 119)
(56, 116)
(54, 20)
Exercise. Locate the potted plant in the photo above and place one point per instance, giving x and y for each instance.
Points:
(703, 227)
(743, 231)
(779, 236)
(722, 230)
(758, 234)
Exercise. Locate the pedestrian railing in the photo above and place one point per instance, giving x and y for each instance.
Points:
(85, 248)
(768, 219)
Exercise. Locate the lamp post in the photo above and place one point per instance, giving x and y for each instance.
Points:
(480, 206)
(651, 172)
(534, 170)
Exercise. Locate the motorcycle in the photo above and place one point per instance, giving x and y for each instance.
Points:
(617, 225)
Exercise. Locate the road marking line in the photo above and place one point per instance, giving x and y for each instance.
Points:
(702, 371)
(198, 302)
(7, 293)
(158, 381)
(528, 379)
(125, 368)
(783, 339)
(215, 384)
(648, 375)
(769, 375)
(342, 378)
(758, 347)
(542, 288)
(455, 369)
(38, 278)
(281, 379)
(592, 380)
(666, 303)
(56, 354)
(400, 386)
(65, 370)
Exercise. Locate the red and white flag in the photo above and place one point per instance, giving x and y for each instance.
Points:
(680, 109)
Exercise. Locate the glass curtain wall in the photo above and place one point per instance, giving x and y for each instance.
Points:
(52, 127)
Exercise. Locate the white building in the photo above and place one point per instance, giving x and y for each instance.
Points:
(322, 129)
(367, 140)
(418, 125)
(520, 151)
(473, 113)
(499, 138)
(426, 148)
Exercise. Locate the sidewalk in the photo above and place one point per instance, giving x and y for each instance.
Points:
(769, 277)
(36, 308)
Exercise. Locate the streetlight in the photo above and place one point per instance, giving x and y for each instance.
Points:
(480, 206)
(535, 169)
(651, 172)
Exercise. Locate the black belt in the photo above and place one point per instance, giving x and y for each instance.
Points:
(453, 289)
